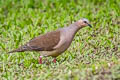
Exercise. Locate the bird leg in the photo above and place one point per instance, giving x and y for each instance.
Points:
(40, 59)
(54, 61)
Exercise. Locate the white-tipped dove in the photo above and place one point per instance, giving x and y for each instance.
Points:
(53, 43)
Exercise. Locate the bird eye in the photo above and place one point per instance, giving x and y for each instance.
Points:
(85, 21)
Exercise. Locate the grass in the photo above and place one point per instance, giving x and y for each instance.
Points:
(93, 55)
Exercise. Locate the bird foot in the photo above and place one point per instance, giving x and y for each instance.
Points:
(54, 61)
(40, 60)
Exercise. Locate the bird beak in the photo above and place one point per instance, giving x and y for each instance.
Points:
(89, 25)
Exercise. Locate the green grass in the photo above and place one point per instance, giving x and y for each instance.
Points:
(93, 55)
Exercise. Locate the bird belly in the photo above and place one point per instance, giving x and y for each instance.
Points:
(55, 52)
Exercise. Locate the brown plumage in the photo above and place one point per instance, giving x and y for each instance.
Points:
(54, 43)
(44, 42)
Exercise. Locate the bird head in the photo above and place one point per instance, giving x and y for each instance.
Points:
(83, 22)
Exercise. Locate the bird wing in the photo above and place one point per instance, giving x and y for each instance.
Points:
(45, 42)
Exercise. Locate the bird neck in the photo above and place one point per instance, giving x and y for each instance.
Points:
(73, 28)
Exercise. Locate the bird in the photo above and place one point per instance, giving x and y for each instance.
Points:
(55, 42)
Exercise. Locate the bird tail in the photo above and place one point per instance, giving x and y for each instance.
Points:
(21, 49)
(16, 50)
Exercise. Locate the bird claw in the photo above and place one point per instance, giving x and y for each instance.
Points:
(40, 60)
(54, 61)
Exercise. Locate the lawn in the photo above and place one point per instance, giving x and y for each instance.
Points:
(93, 55)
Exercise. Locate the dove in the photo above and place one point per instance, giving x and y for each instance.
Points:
(55, 42)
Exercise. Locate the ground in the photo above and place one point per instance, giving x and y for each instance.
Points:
(93, 55)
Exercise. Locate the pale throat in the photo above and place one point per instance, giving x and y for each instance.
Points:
(73, 28)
